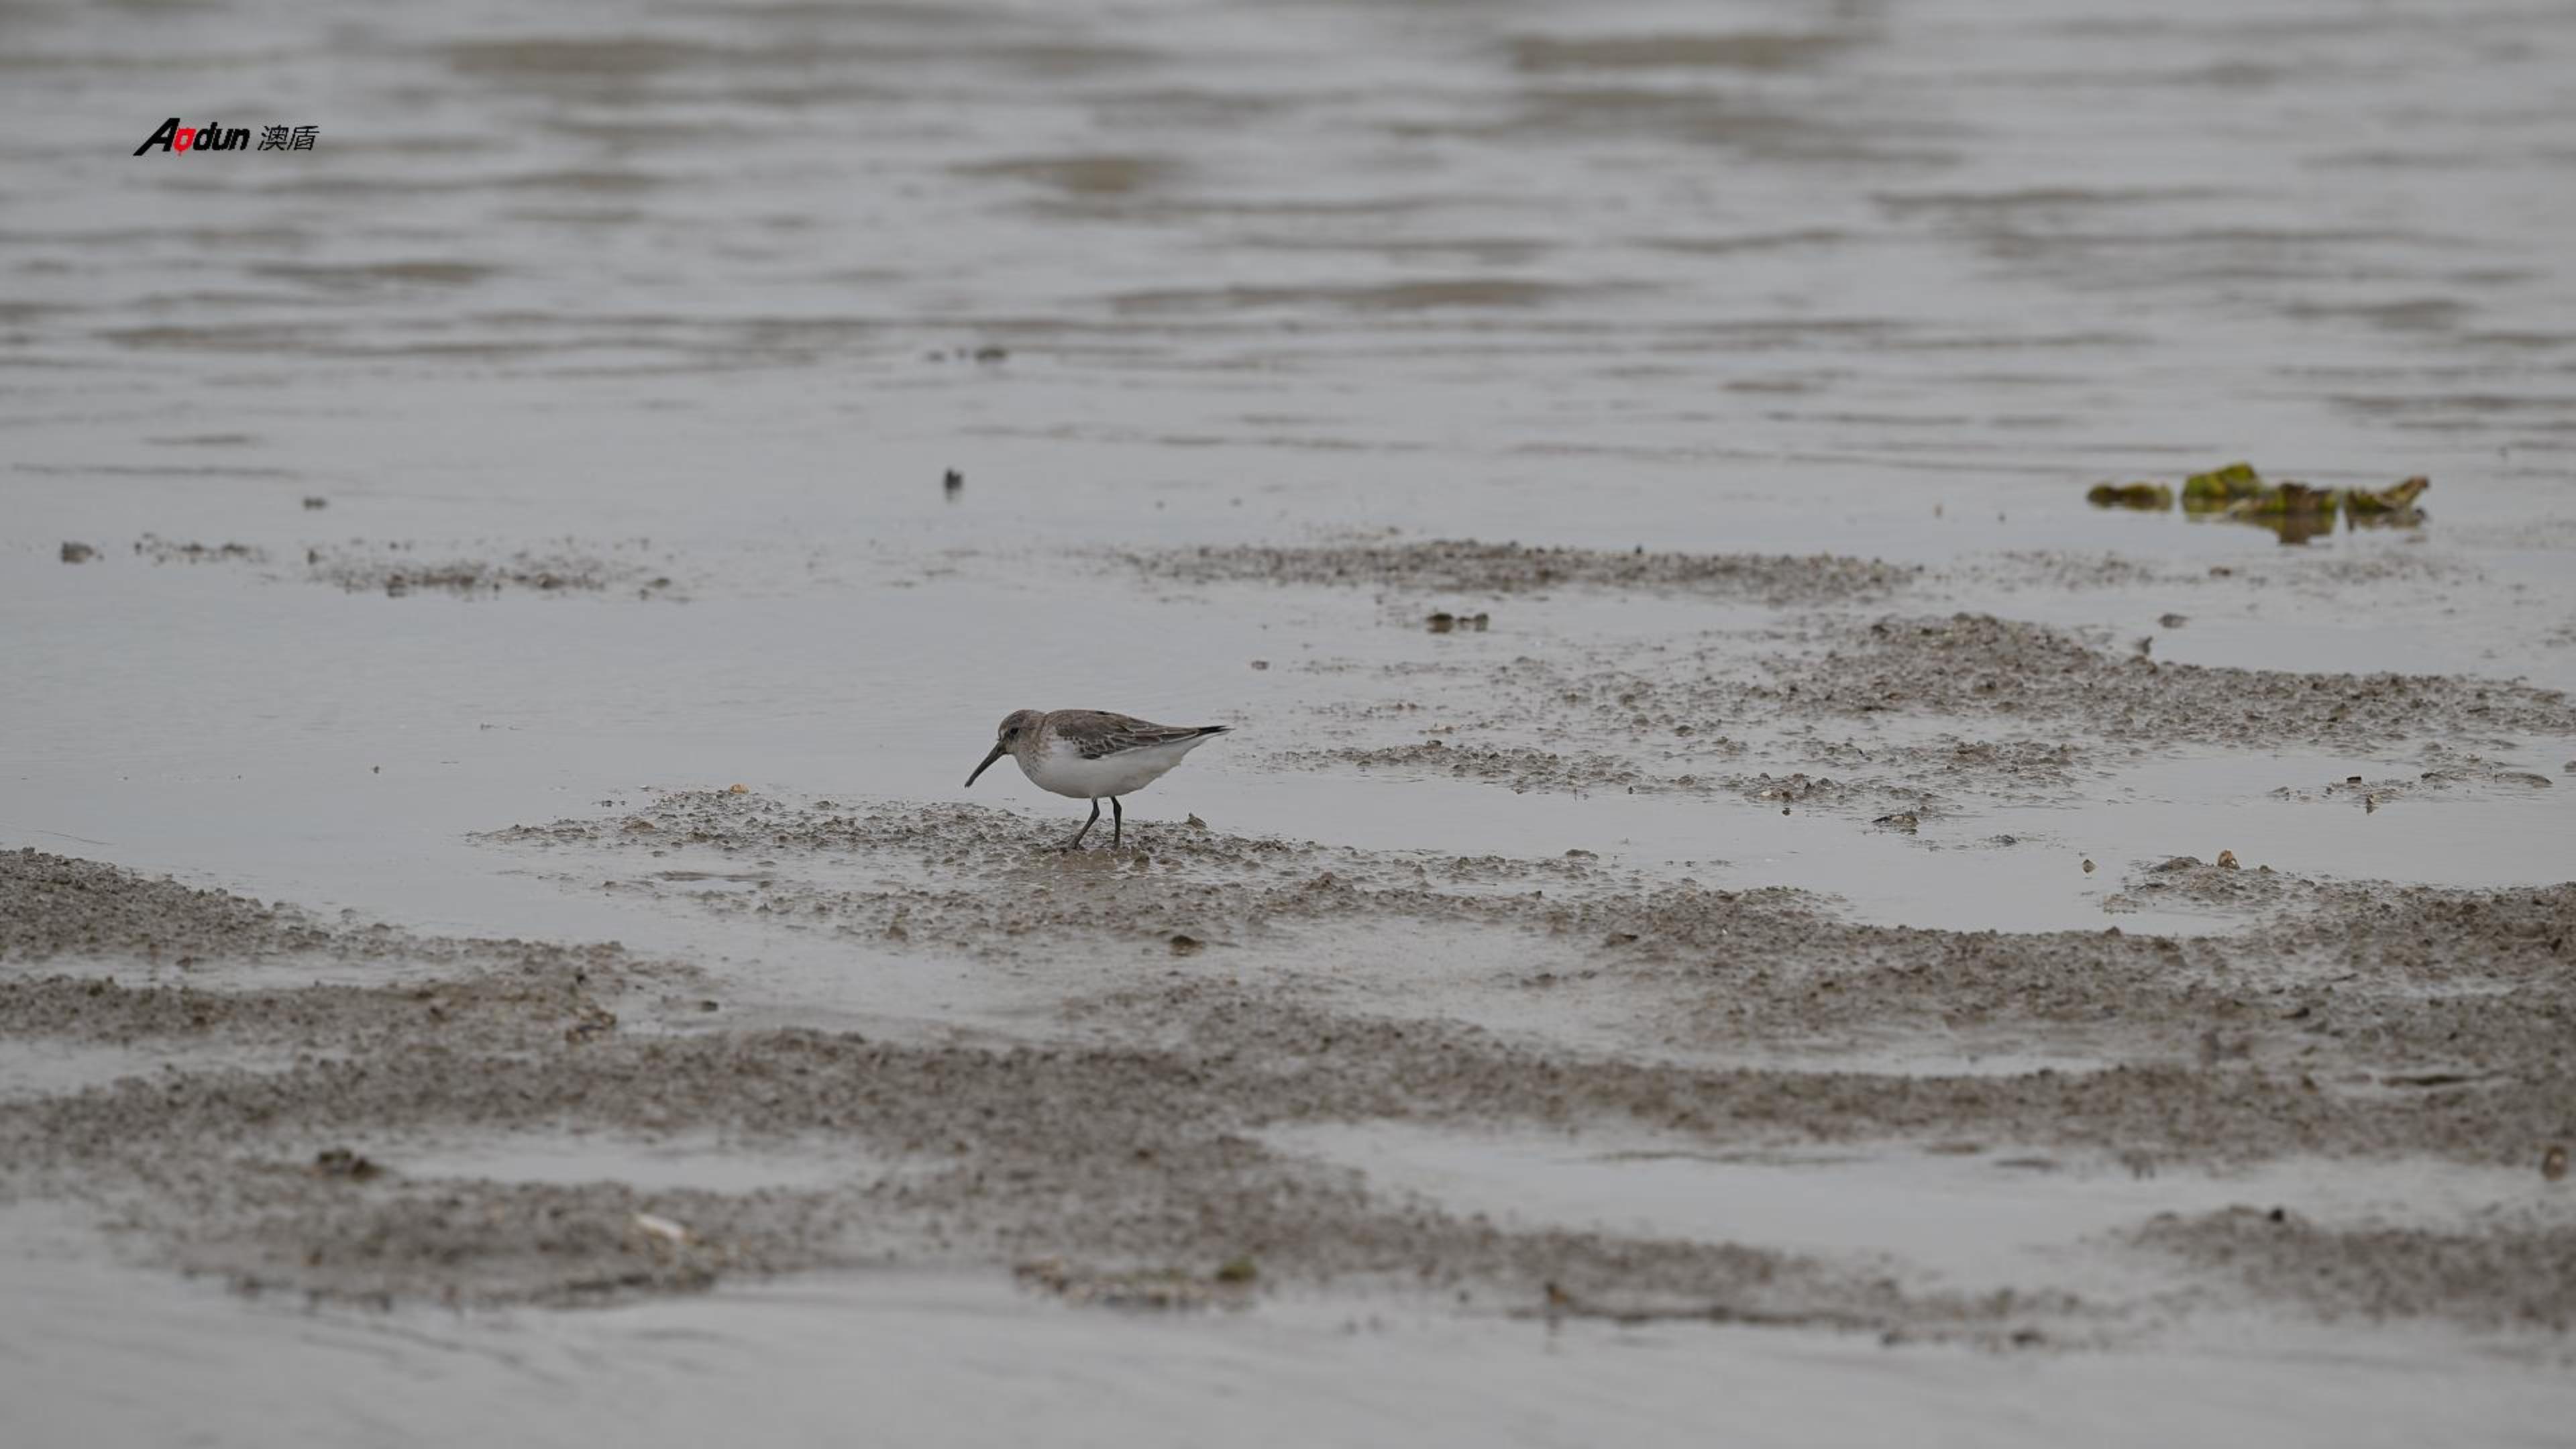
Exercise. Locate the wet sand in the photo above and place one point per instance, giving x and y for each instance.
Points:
(1136, 1150)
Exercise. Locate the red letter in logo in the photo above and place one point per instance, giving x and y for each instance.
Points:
(187, 137)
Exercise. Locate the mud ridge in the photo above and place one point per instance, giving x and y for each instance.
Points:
(1464, 565)
(2517, 1270)
(2045, 706)
(1974, 665)
(2331, 978)
(397, 568)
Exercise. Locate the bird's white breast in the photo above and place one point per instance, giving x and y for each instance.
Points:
(1061, 769)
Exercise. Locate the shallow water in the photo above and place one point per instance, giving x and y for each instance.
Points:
(1979, 1216)
(696, 293)
(968, 1359)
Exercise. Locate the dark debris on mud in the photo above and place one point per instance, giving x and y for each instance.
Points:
(156, 549)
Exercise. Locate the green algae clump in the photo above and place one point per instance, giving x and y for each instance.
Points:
(2130, 495)
(2222, 485)
(2296, 511)
(2287, 497)
(2396, 498)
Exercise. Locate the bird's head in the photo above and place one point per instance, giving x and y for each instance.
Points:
(1017, 729)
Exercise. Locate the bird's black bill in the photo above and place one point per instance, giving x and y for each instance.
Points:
(998, 752)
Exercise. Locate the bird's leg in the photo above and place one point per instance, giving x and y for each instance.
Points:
(1117, 818)
(1076, 842)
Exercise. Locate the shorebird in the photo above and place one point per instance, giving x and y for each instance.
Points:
(1093, 755)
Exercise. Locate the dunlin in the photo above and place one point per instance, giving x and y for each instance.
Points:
(1092, 755)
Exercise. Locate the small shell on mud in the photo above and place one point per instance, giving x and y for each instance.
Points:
(78, 552)
(1186, 945)
(737, 788)
(2227, 860)
(2088, 867)
(659, 1227)
(2553, 1163)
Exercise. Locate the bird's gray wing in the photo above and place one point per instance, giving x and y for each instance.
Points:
(1097, 734)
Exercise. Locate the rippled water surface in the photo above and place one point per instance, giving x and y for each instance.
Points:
(1741, 273)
